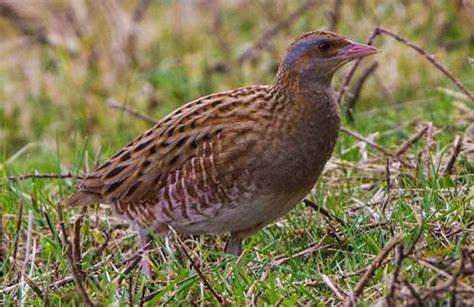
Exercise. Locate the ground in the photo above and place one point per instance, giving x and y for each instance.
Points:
(390, 220)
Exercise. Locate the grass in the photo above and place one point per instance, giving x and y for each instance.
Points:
(54, 119)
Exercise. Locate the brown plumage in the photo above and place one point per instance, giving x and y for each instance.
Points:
(232, 161)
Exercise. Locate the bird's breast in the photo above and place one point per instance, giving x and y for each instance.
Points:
(296, 158)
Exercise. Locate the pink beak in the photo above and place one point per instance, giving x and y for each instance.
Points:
(356, 50)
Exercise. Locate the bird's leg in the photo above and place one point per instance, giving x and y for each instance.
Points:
(144, 245)
(234, 245)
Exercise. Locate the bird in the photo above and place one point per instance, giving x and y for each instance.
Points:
(234, 161)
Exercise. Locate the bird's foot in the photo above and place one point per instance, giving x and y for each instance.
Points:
(144, 245)
(146, 266)
(234, 246)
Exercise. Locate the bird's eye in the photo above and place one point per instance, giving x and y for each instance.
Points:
(324, 46)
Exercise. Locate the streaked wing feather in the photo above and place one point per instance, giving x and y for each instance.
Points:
(143, 167)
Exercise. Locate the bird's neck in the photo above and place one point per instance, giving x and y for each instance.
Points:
(305, 91)
(306, 106)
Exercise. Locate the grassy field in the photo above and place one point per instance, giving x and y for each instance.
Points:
(400, 219)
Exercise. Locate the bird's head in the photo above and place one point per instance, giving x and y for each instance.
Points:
(315, 56)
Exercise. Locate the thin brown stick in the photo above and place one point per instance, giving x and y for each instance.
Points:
(204, 279)
(388, 183)
(430, 58)
(414, 293)
(76, 273)
(42, 176)
(278, 303)
(279, 260)
(335, 289)
(395, 279)
(323, 211)
(130, 290)
(404, 147)
(458, 231)
(129, 268)
(263, 40)
(77, 236)
(347, 78)
(380, 30)
(64, 281)
(115, 105)
(452, 279)
(143, 298)
(334, 15)
(366, 140)
(10, 12)
(136, 17)
(456, 149)
(17, 235)
(32, 27)
(371, 269)
(104, 244)
(31, 284)
(139, 11)
(358, 89)
(441, 272)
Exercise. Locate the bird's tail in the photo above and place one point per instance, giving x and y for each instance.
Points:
(82, 198)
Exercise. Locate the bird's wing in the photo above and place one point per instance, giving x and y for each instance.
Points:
(214, 131)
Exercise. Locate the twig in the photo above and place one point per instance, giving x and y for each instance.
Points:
(18, 230)
(42, 176)
(334, 15)
(129, 268)
(143, 298)
(358, 89)
(59, 283)
(380, 30)
(404, 147)
(371, 269)
(398, 264)
(441, 272)
(388, 182)
(20, 20)
(430, 58)
(279, 260)
(11, 13)
(262, 41)
(76, 273)
(101, 248)
(31, 284)
(372, 225)
(347, 78)
(458, 231)
(366, 140)
(456, 148)
(27, 254)
(278, 303)
(130, 290)
(414, 293)
(204, 279)
(77, 236)
(139, 10)
(64, 281)
(137, 16)
(327, 281)
(115, 105)
(323, 211)
(452, 279)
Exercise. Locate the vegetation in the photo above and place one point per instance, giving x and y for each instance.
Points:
(399, 205)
